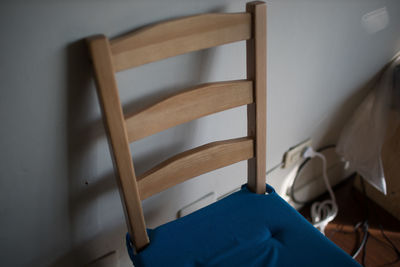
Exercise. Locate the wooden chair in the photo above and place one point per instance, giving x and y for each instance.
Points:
(151, 44)
(176, 37)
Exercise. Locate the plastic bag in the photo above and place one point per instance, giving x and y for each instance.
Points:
(364, 134)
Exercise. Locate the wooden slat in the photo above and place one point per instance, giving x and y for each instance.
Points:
(256, 113)
(179, 36)
(193, 163)
(189, 105)
(115, 124)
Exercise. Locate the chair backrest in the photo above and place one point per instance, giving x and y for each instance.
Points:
(169, 39)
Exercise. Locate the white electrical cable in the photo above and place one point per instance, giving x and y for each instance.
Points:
(322, 212)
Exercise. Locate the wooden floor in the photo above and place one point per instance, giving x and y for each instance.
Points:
(355, 208)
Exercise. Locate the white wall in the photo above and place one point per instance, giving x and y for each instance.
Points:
(59, 203)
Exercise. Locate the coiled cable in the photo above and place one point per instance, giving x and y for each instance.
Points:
(322, 212)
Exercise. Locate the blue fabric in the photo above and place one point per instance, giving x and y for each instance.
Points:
(243, 229)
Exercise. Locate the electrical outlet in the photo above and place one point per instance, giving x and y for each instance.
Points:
(294, 154)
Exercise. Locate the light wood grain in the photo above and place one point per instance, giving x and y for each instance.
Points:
(256, 113)
(168, 39)
(193, 163)
(179, 36)
(115, 124)
(189, 105)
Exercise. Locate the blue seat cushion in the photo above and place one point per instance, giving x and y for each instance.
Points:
(243, 229)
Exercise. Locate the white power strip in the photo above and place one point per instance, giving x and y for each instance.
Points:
(294, 154)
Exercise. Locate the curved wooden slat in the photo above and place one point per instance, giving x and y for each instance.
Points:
(194, 162)
(189, 105)
(175, 37)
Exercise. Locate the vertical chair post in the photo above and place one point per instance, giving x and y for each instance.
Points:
(256, 112)
(116, 129)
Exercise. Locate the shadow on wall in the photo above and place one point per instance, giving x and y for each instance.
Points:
(82, 134)
(87, 183)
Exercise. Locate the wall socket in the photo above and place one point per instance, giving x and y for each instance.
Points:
(294, 154)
